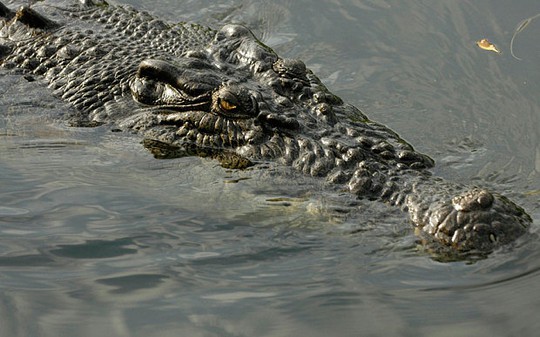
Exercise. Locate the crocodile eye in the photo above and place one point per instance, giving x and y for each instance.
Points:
(233, 102)
(227, 101)
(227, 105)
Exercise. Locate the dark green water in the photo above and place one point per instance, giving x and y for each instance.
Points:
(97, 238)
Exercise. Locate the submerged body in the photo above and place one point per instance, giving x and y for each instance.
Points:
(191, 90)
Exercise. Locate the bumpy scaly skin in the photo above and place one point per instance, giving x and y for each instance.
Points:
(190, 90)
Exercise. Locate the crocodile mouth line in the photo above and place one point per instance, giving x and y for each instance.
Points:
(167, 109)
(199, 127)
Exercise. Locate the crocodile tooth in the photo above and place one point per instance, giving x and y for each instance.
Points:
(207, 123)
(231, 133)
(224, 139)
(200, 139)
(448, 225)
(442, 237)
(217, 141)
(219, 125)
(183, 130)
(192, 135)
(458, 236)
(463, 218)
(207, 141)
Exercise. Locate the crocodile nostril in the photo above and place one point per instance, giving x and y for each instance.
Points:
(474, 200)
(484, 199)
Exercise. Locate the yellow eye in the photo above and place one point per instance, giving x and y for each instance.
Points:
(226, 105)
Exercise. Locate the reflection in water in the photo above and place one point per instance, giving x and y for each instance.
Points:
(99, 238)
(96, 249)
(132, 283)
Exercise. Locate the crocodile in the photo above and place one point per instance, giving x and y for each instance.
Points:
(191, 90)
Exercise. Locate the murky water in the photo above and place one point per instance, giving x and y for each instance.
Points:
(97, 238)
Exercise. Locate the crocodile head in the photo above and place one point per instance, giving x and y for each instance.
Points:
(234, 96)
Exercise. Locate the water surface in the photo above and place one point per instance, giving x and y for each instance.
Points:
(97, 238)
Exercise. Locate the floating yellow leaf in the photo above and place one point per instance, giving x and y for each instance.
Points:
(486, 45)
